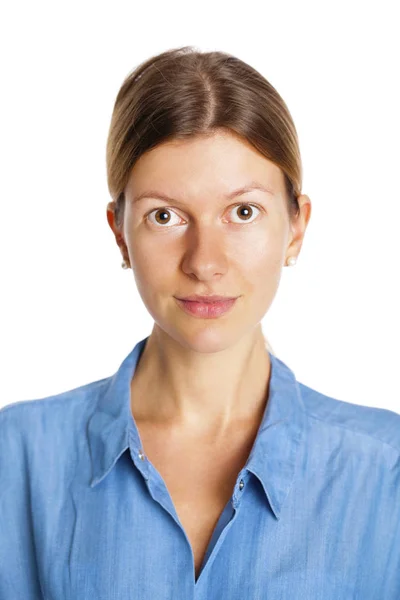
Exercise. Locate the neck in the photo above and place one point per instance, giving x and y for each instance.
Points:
(201, 391)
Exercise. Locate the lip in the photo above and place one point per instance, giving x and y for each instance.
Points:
(206, 310)
(210, 298)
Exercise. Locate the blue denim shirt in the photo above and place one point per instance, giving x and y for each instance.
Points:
(314, 514)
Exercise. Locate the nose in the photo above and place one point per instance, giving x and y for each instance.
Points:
(205, 253)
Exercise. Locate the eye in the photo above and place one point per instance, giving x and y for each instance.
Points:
(246, 211)
(162, 214)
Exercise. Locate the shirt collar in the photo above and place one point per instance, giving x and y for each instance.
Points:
(276, 451)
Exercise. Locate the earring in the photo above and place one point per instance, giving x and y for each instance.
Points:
(124, 265)
(291, 261)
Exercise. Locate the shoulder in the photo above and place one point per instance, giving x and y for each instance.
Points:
(368, 424)
(43, 420)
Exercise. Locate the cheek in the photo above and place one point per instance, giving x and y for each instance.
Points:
(260, 258)
(152, 264)
(263, 278)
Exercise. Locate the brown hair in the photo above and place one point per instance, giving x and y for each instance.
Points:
(184, 92)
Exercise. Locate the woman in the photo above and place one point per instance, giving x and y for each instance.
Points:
(202, 468)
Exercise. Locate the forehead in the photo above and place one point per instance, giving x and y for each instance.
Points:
(207, 164)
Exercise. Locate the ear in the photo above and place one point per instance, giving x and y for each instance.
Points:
(111, 217)
(299, 224)
(117, 232)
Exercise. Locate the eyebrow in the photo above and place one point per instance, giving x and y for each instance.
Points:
(253, 185)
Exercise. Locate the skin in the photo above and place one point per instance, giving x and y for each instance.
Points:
(205, 376)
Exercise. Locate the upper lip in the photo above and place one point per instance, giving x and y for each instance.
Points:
(197, 298)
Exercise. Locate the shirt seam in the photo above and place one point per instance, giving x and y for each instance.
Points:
(369, 435)
(54, 398)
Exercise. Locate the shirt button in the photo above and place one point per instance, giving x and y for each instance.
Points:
(141, 455)
(241, 484)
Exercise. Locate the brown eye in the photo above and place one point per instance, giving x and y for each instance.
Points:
(161, 216)
(245, 211)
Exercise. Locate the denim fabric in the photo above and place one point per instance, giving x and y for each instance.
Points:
(314, 513)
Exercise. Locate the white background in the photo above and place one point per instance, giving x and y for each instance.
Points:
(70, 314)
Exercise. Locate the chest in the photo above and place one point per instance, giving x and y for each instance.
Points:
(200, 477)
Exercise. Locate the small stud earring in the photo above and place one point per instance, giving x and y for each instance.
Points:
(292, 261)
(124, 265)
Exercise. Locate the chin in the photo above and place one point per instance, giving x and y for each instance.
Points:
(206, 338)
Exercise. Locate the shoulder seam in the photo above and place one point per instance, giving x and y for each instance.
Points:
(355, 431)
(54, 398)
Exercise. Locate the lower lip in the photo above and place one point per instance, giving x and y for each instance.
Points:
(206, 310)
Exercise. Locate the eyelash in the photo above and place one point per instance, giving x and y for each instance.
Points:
(170, 209)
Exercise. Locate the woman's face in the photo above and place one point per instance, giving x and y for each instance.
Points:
(200, 241)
